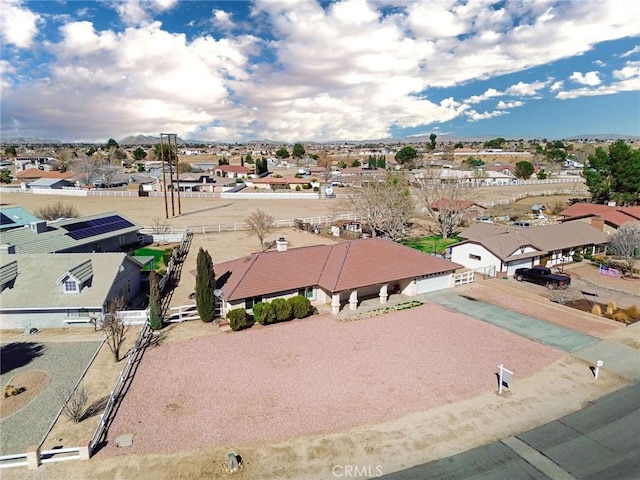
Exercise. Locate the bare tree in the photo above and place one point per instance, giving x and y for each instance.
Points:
(160, 225)
(114, 327)
(56, 210)
(87, 168)
(445, 203)
(108, 174)
(260, 225)
(385, 206)
(626, 244)
(76, 401)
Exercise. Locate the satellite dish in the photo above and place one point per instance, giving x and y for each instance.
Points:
(328, 191)
(217, 292)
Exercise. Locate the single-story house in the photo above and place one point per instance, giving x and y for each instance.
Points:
(105, 232)
(72, 288)
(467, 208)
(51, 184)
(496, 248)
(231, 171)
(604, 217)
(36, 173)
(339, 274)
(286, 183)
(15, 217)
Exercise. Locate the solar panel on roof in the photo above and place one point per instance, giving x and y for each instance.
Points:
(98, 226)
(4, 220)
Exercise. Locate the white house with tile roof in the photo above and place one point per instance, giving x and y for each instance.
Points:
(341, 274)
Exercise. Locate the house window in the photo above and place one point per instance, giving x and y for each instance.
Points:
(307, 292)
(250, 302)
(70, 286)
(475, 257)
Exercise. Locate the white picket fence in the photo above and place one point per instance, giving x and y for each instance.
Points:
(13, 460)
(463, 278)
(182, 313)
(539, 193)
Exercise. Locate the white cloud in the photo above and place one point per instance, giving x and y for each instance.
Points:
(505, 105)
(221, 19)
(135, 12)
(476, 116)
(633, 51)
(521, 89)
(590, 78)
(630, 85)
(630, 70)
(599, 63)
(556, 86)
(18, 24)
(489, 93)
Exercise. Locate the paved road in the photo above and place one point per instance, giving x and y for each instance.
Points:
(600, 442)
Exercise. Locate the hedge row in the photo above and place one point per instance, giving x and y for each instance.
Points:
(266, 313)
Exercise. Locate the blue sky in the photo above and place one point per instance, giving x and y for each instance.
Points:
(303, 70)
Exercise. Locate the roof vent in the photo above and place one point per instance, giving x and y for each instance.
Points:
(38, 227)
(281, 244)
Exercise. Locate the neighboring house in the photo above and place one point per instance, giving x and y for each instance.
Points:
(41, 163)
(603, 217)
(196, 182)
(36, 173)
(72, 288)
(503, 249)
(467, 208)
(231, 171)
(339, 274)
(15, 217)
(51, 184)
(286, 183)
(105, 232)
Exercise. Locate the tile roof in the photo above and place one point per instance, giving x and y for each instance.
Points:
(342, 266)
(37, 173)
(613, 215)
(57, 239)
(39, 273)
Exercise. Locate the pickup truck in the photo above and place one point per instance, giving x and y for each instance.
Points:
(542, 276)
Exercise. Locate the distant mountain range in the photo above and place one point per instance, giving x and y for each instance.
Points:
(133, 140)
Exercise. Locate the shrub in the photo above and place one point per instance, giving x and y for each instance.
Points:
(621, 316)
(544, 261)
(577, 257)
(166, 255)
(633, 312)
(263, 313)
(11, 391)
(300, 305)
(237, 319)
(282, 309)
(596, 310)
(611, 307)
(56, 210)
(74, 407)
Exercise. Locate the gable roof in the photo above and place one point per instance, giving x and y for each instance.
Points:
(13, 217)
(66, 234)
(49, 182)
(8, 272)
(81, 272)
(40, 272)
(615, 216)
(346, 265)
(503, 241)
(37, 173)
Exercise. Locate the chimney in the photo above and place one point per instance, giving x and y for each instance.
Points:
(597, 223)
(281, 244)
(7, 249)
(38, 227)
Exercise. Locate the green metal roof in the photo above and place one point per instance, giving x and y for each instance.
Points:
(56, 238)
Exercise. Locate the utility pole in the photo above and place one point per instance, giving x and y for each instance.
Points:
(172, 149)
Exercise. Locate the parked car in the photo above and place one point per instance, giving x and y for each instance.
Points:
(520, 224)
(542, 276)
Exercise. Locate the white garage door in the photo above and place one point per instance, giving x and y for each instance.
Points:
(431, 284)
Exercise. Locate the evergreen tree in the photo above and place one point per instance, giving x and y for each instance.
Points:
(205, 286)
(155, 307)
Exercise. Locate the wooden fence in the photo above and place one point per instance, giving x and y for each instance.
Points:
(182, 313)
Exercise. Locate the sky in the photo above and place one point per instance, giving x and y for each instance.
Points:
(307, 70)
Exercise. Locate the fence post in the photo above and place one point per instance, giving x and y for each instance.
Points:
(33, 457)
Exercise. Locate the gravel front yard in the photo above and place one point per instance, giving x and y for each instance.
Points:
(313, 376)
(65, 363)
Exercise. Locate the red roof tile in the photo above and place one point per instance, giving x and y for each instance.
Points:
(37, 173)
(343, 266)
(615, 216)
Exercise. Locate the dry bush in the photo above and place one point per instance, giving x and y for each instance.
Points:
(56, 210)
(76, 403)
(562, 297)
(633, 312)
(596, 310)
(12, 391)
(611, 307)
(621, 316)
